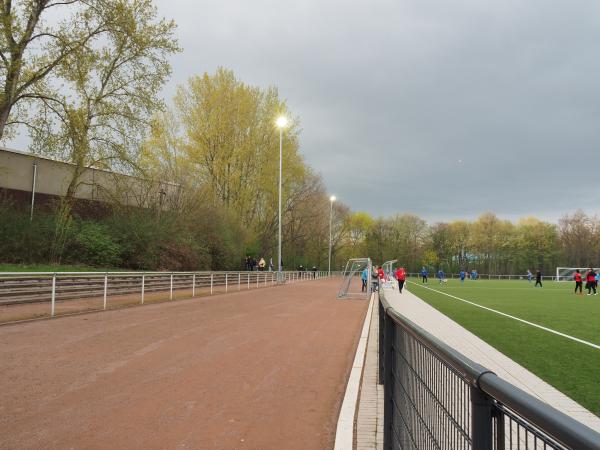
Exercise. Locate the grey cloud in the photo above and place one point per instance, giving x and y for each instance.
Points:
(392, 94)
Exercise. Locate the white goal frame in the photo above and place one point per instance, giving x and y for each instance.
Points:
(354, 267)
(566, 273)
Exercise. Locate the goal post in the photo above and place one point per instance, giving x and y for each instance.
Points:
(567, 273)
(351, 278)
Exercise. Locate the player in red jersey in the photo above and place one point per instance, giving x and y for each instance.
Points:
(578, 281)
(401, 277)
(590, 282)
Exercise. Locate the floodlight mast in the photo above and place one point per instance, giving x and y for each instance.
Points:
(331, 200)
(281, 124)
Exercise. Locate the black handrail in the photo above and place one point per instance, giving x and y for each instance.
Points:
(502, 397)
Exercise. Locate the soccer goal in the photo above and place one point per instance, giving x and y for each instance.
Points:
(352, 278)
(388, 268)
(567, 273)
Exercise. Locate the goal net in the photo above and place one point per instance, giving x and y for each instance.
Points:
(352, 285)
(567, 273)
(388, 269)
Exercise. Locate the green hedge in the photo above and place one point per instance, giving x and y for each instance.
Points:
(133, 239)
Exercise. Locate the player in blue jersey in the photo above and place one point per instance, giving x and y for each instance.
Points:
(364, 277)
(441, 276)
(462, 276)
(424, 275)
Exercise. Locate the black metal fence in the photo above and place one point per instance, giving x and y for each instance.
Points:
(436, 398)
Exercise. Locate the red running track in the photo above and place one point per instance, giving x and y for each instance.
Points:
(263, 369)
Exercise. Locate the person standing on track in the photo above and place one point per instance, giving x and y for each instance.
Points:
(578, 281)
(364, 276)
(424, 274)
(538, 278)
(401, 277)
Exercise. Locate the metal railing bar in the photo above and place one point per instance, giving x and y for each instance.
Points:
(548, 420)
(480, 401)
(423, 384)
(418, 415)
(463, 366)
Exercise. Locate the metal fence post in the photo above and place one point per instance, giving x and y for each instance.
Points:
(143, 285)
(481, 420)
(53, 295)
(248, 280)
(257, 280)
(500, 436)
(239, 281)
(105, 288)
(265, 279)
(225, 283)
(193, 285)
(211, 284)
(171, 291)
(381, 341)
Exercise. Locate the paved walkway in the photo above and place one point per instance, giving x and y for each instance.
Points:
(249, 370)
(369, 419)
(479, 351)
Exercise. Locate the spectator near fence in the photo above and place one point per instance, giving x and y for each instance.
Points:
(424, 275)
(375, 278)
(364, 277)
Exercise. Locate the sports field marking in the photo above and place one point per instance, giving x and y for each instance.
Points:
(541, 327)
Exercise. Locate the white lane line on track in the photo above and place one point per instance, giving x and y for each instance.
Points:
(541, 327)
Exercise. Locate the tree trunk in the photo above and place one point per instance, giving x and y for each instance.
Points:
(5, 108)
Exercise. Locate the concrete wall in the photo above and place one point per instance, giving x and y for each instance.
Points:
(53, 178)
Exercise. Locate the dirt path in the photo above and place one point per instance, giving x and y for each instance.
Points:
(249, 370)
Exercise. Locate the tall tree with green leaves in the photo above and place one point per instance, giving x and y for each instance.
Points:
(110, 91)
(33, 44)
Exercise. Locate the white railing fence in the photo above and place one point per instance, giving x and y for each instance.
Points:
(39, 287)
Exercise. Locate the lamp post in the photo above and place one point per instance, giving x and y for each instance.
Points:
(281, 124)
(331, 200)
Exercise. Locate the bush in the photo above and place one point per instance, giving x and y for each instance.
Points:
(94, 245)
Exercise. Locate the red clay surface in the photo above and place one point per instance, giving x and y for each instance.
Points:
(264, 369)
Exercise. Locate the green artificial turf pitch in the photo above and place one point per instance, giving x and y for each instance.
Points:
(571, 367)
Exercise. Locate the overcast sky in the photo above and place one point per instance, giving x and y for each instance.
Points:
(442, 108)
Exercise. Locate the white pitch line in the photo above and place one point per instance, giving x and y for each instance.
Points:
(549, 330)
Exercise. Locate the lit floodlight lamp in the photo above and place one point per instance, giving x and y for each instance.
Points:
(281, 122)
(332, 198)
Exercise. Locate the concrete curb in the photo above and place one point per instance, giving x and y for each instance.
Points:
(344, 435)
